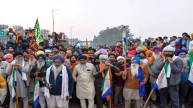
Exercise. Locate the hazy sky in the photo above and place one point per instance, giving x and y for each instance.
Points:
(88, 17)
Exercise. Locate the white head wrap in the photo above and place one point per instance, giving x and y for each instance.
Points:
(120, 57)
(103, 57)
(169, 48)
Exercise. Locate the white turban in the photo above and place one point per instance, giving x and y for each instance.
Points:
(169, 48)
(120, 57)
(103, 57)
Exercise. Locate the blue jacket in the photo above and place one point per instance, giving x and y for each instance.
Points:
(57, 84)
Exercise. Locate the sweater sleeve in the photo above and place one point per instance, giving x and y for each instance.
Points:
(176, 66)
(149, 69)
(70, 82)
(160, 65)
(115, 69)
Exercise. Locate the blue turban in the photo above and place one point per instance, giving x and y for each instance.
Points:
(58, 57)
(139, 56)
(74, 50)
(42, 56)
(135, 59)
(180, 51)
(17, 53)
(82, 57)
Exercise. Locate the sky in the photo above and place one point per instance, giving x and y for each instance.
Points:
(146, 18)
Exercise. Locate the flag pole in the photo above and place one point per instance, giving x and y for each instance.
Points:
(124, 46)
(17, 100)
(148, 98)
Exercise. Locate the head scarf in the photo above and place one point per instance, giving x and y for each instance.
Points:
(169, 48)
(135, 59)
(42, 56)
(120, 57)
(103, 57)
(58, 57)
(180, 51)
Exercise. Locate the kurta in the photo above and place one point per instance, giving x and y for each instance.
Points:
(83, 75)
(21, 84)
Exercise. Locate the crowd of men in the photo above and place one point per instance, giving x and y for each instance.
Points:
(76, 75)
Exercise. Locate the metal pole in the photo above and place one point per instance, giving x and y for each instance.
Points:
(53, 19)
(71, 34)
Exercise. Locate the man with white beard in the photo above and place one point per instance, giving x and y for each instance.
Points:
(59, 84)
(183, 86)
(39, 72)
(101, 70)
(132, 83)
(21, 67)
(152, 68)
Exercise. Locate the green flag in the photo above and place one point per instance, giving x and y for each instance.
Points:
(191, 59)
(166, 66)
(37, 32)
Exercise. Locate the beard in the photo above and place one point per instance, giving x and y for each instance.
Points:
(72, 61)
(19, 61)
(40, 64)
(57, 69)
(134, 69)
(157, 55)
(184, 59)
(121, 63)
(32, 62)
(169, 55)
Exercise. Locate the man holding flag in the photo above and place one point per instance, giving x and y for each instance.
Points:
(171, 68)
(38, 73)
(17, 72)
(134, 81)
(103, 78)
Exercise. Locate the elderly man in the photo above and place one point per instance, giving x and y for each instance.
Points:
(59, 84)
(174, 66)
(132, 83)
(183, 86)
(100, 69)
(152, 68)
(39, 72)
(20, 68)
(83, 75)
